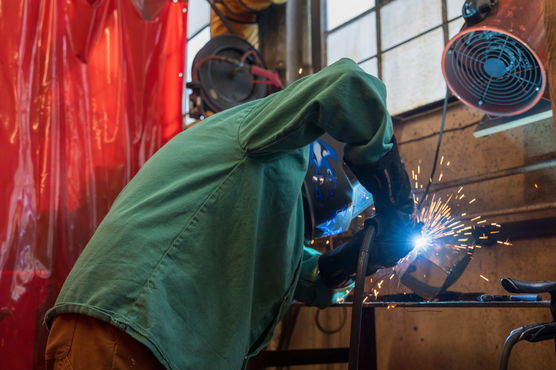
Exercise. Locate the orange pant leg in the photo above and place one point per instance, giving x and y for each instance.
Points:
(81, 342)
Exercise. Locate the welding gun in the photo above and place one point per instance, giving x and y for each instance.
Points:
(388, 182)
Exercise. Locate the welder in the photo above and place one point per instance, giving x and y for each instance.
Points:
(203, 251)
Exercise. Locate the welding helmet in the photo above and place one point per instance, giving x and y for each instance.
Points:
(332, 196)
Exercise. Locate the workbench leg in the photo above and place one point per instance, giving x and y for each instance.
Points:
(367, 351)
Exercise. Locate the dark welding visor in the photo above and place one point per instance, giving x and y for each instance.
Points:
(332, 196)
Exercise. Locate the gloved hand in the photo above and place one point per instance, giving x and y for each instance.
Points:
(311, 289)
(389, 184)
(392, 241)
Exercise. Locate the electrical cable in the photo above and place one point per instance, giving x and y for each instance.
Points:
(358, 296)
(431, 177)
(343, 320)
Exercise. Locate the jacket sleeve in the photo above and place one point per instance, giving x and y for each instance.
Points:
(311, 290)
(341, 100)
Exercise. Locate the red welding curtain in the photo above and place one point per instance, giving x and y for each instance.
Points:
(89, 90)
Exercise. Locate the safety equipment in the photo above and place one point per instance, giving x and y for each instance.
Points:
(392, 241)
(389, 184)
(312, 289)
(332, 195)
(497, 62)
(387, 180)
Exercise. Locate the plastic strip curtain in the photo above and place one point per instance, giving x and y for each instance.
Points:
(90, 90)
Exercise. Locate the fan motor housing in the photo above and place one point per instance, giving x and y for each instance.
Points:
(498, 65)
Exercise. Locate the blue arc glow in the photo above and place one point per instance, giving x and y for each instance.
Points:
(421, 242)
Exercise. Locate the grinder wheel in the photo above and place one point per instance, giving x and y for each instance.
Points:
(223, 85)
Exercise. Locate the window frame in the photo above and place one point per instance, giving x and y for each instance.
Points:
(379, 4)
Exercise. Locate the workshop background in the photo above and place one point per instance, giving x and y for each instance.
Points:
(92, 88)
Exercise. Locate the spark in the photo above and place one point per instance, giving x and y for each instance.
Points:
(536, 186)
(483, 277)
(443, 228)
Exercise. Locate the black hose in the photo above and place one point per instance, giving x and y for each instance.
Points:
(358, 297)
(435, 161)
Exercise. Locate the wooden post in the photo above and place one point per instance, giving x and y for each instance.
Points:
(550, 29)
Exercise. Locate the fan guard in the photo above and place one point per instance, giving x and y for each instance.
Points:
(494, 72)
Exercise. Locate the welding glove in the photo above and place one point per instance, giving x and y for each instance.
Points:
(312, 290)
(389, 184)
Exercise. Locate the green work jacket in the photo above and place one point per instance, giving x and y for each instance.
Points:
(201, 253)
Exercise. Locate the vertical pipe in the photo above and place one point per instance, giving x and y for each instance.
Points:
(298, 40)
(272, 33)
(378, 40)
(318, 27)
(445, 29)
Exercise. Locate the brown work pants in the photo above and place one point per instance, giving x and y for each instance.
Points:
(82, 342)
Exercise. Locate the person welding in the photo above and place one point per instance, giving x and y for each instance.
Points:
(203, 251)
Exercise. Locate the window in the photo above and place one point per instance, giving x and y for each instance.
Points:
(400, 41)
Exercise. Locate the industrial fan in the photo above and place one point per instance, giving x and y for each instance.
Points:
(226, 72)
(497, 62)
